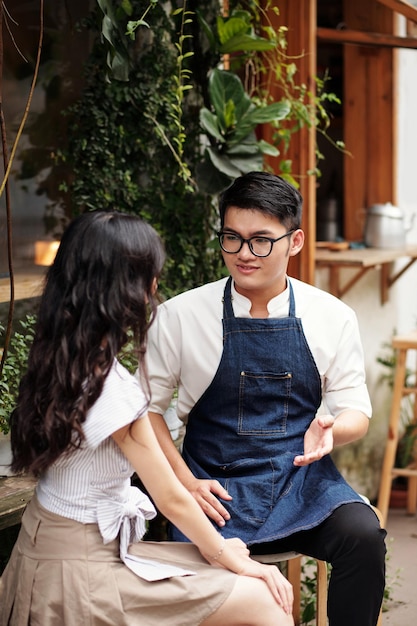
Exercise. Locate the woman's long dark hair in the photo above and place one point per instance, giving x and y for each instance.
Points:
(100, 286)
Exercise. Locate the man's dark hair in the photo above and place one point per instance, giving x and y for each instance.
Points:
(267, 193)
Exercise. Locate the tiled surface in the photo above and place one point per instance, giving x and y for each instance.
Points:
(401, 569)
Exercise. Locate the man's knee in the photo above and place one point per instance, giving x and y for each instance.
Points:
(358, 533)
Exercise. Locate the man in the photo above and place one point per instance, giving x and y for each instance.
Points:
(254, 357)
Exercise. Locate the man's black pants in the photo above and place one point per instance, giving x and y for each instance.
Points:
(352, 541)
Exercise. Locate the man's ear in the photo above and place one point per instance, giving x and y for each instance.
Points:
(297, 242)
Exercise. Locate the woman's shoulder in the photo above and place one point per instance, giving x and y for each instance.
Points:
(121, 386)
(121, 401)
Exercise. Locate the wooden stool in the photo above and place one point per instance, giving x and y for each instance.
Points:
(401, 345)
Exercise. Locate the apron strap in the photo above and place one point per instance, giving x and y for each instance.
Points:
(228, 312)
(291, 312)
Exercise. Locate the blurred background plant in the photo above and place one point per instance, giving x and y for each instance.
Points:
(14, 367)
(168, 111)
(174, 96)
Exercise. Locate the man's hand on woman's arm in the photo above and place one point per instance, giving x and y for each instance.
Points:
(205, 492)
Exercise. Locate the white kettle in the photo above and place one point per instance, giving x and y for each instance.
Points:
(385, 226)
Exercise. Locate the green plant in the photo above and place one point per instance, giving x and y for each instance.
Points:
(241, 100)
(117, 59)
(308, 600)
(161, 126)
(117, 158)
(393, 579)
(128, 355)
(14, 368)
(230, 125)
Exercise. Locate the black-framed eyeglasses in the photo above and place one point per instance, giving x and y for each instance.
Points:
(258, 245)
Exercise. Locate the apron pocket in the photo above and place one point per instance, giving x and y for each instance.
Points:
(252, 490)
(263, 404)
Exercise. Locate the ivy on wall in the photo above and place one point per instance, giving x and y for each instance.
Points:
(117, 159)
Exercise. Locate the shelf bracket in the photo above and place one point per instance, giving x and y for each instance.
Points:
(336, 288)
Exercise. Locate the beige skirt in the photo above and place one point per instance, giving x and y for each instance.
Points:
(61, 574)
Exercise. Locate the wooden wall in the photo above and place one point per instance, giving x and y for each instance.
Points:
(369, 105)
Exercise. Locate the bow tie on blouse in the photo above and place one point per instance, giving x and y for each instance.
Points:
(125, 518)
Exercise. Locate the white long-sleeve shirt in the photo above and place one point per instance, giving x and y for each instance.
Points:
(185, 345)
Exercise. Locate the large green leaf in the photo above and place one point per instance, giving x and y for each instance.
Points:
(234, 34)
(223, 163)
(267, 148)
(209, 123)
(206, 29)
(229, 116)
(258, 115)
(119, 66)
(230, 27)
(269, 113)
(248, 164)
(117, 57)
(246, 147)
(107, 7)
(107, 30)
(242, 131)
(209, 179)
(223, 87)
(247, 43)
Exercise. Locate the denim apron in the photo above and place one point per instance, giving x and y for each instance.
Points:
(249, 424)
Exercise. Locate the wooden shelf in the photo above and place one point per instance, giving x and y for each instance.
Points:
(15, 493)
(361, 38)
(27, 284)
(364, 259)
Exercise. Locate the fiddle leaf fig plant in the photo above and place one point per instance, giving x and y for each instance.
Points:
(230, 127)
(254, 52)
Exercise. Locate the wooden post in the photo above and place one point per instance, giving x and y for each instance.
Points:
(300, 17)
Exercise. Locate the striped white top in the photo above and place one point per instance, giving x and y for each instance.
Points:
(76, 483)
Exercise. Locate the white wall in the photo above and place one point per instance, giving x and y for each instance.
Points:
(407, 178)
(361, 462)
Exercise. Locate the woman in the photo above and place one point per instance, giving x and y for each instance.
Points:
(81, 427)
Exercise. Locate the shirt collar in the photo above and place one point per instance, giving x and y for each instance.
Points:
(277, 306)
